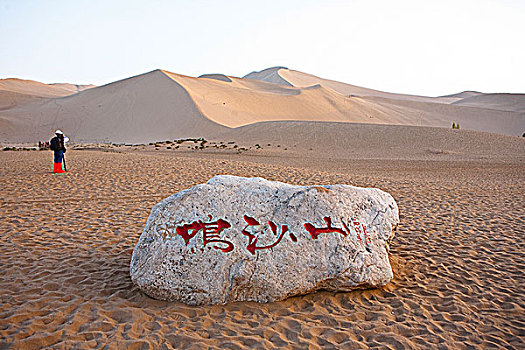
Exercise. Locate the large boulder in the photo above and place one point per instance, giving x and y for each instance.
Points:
(236, 239)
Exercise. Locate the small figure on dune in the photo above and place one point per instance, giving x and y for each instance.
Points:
(57, 145)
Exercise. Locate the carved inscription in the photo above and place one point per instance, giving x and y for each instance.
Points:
(255, 231)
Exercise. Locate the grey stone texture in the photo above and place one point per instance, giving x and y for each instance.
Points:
(249, 239)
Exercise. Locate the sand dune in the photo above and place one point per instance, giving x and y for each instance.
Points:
(368, 141)
(245, 101)
(10, 99)
(270, 75)
(240, 102)
(282, 75)
(464, 94)
(139, 109)
(502, 102)
(73, 87)
(443, 115)
(33, 88)
(161, 105)
(421, 110)
(14, 92)
(220, 77)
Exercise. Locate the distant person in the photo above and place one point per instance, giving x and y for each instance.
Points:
(57, 145)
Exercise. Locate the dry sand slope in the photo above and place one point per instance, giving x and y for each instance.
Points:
(67, 241)
(358, 141)
(144, 108)
(503, 102)
(14, 92)
(285, 76)
(160, 105)
(499, 113)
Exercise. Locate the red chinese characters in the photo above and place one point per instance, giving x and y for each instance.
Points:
(211, 233)
(253, 236)
(361, 228)
(345, 230)
(254, 230)
(315, 232)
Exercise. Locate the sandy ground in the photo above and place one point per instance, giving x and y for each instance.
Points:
(66, 243)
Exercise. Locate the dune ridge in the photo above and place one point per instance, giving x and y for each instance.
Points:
(270, 75)
(73, 87)
(34, 88)
(301, 79)
(242, 102)
(502, 102)
(15, 92)
(139, 109)
(161, 105)
(463, 94)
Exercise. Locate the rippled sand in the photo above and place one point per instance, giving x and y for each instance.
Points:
(66, 243)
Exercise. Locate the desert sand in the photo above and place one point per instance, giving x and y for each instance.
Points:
(457, 255)
(161, 105)
(67, 239)
(15, 92)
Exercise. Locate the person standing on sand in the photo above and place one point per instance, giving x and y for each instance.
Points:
(57, 145)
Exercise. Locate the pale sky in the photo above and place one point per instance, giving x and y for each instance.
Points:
(420, 47)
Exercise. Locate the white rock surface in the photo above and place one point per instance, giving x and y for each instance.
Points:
(204, 245)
